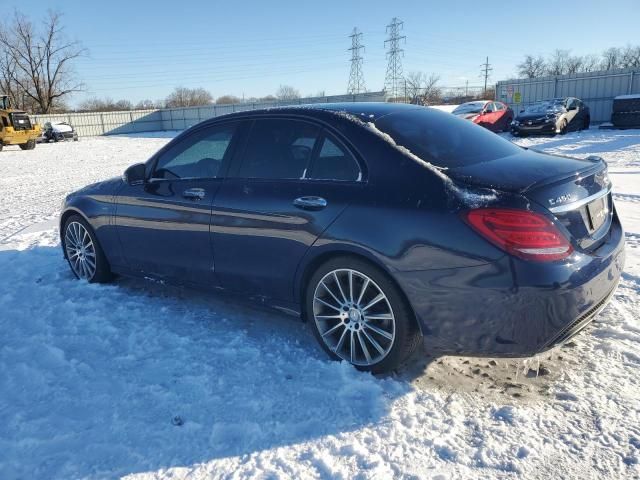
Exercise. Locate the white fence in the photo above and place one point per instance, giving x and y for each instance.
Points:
(596, 89)
(135, 121)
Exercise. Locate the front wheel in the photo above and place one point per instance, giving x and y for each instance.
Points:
(83, 252)
(563, 127)
(358, 314)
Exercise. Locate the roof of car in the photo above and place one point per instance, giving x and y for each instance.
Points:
(369, 111)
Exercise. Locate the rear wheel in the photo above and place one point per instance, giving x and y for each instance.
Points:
(358, 314)
(83, 252)
(30, 145)
(586, 123)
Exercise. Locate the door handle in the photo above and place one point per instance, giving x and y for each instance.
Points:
(194, 193)
(310, 203)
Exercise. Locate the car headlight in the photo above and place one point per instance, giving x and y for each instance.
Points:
(515, 123)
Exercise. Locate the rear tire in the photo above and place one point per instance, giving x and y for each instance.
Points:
(83, 251)
(357, 314)
(587, 123)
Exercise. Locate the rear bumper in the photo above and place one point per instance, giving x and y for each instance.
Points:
(513, 308)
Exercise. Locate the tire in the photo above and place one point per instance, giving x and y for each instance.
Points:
(586, 123)
(507, 125)
(378, 344)
(73, 236)
(30, 145)
(1, 145)
(563, 127)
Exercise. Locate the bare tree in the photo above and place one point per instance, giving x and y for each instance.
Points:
(38, 62)
(104, 105)
(145, 105)
(557, 64)
(574, 64)
(532, 67)
(611, 58)
(287, 92)
(422, 89)
(227, 99)
(591, 63)
(630, 57)
(188, 97)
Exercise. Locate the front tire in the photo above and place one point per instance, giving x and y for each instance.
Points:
(563, 127)
(357, 314)
(83, 252)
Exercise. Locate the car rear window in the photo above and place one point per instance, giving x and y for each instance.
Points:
(443, 139)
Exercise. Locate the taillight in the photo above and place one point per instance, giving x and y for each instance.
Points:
(525, 234)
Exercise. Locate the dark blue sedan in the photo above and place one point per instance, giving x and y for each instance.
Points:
(382, 225)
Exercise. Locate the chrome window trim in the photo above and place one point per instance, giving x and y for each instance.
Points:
(579, 203)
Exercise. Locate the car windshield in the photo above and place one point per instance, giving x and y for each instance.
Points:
(471, 107)
(443, 139)
(551, 106)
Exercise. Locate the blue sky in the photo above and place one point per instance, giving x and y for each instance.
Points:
(143, 49)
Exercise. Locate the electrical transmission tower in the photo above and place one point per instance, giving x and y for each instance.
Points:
(486, 69)
(356, 77)
(393, 77)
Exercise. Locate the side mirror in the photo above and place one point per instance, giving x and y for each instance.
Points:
(134, 175)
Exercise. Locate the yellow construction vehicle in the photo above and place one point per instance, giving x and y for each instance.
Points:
(16, 127)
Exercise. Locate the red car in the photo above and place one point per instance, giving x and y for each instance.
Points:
(495, 116)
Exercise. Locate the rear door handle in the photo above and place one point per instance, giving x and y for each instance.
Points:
(310, 203)
(194, 193)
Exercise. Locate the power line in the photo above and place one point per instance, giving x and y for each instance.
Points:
(393, 77)
(356, 77)
(486, 68)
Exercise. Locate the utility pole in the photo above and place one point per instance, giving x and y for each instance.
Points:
(394, 54)
(486, 68)
(356, 77)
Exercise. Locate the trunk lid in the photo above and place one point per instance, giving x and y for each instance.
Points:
(575, 191)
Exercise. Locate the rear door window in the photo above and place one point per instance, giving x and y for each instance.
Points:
(279, 149)
(334, 162)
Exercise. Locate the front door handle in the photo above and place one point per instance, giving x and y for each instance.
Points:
(310, 203)
(194, 193)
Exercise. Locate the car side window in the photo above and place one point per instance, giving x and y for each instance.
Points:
(197, 156)
(489, 108)
(334, 162)
(278, 149)
(499, 106)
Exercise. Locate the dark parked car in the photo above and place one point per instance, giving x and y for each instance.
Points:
(560, 115)
(58, 131)
(494, 116)
(380, 224)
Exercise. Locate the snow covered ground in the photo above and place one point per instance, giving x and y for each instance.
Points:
(141, 381)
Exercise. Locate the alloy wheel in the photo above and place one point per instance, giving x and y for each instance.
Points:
(80, 250)
(354, 317)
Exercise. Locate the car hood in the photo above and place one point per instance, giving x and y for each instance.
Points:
(62, 128)
(533, 116)
(467, 116)
(517, 173)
